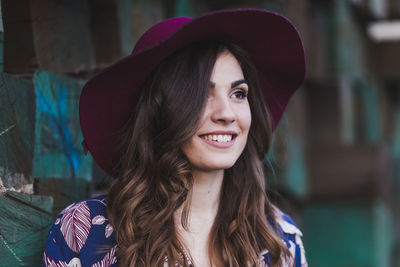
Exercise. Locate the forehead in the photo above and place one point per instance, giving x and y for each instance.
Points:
(226, 69)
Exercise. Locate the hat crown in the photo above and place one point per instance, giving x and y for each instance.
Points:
(159, 33)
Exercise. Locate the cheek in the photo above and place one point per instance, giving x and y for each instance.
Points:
(244, 117)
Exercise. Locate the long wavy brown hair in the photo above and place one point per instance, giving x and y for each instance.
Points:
(154, 176)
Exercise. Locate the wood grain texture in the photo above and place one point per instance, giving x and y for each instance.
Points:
(64, 191)
(24, 224)
(17, 125)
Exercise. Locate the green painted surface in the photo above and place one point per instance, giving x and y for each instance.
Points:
(295, 176)
(1, 41)
(1, 51)
(17, 129)
(58, 151)
(288, 160)
(24, 224)
(184, 8)
(347, 115)
(350, 43)
(125, 26)
(371, 110)
(347, 234)
(383, 234)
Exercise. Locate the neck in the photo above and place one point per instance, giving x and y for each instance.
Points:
(205, 196)
(206, 191)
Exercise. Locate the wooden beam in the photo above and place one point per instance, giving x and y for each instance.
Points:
(24, 224)
(386, 59)
(349, 172)
(17, 131)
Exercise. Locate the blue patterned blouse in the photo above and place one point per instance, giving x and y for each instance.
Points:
(83, 236)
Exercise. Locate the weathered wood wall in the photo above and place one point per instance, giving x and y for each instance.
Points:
(335, 152)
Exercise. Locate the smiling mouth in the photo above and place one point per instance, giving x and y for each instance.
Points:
(220, 138)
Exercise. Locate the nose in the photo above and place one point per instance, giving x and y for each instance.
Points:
(222, 110)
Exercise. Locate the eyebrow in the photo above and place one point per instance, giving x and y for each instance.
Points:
(233, 84)
(236, 83)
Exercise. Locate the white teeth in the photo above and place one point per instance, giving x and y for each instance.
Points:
(219, 138)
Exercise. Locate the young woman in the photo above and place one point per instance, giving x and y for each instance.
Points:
(183, 124)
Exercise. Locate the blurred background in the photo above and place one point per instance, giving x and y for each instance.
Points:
(336, 153)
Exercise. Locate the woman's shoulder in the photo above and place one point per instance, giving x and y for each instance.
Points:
(285, 223)
(81, 233)
(94, 206)
(291, 236)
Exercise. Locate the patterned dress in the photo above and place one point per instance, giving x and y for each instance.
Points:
(82, 236)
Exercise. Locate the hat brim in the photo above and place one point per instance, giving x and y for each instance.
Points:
(270, 39)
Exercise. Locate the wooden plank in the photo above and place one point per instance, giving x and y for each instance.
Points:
(58, 150)
(323, 110)
(105, 29)
(135, 17)
(62, 36)
(394, 8)
(1, 41)
(17, 129)
(42, 203)
(64, 191)
(24, 225)
(19, 50)
(386, 60)
(349, 172)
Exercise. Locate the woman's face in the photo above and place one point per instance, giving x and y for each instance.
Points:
(225, 122)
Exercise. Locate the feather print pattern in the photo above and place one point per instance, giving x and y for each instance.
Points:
(109, 230)
(48, 262)
(98, 220)
(108, 259)
(75, 226)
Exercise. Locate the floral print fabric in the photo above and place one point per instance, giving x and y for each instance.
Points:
(82, 236)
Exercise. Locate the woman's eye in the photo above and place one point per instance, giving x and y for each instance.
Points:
(240, 94)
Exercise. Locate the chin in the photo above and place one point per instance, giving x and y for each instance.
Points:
(215, 166)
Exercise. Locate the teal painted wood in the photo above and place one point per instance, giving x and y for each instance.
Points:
(395, 150)
(350, 42)
(24, 224)
(128, 37)
(371, 112)
(17, 129)
(38, 202)
(185, 8)
(347, 234)
(58, 151)
(1, 41)
(288, 157)
(295, 175)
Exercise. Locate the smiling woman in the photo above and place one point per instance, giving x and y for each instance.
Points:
(225, 121)
(193, 115)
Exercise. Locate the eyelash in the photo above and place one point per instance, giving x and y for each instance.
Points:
(242, 92)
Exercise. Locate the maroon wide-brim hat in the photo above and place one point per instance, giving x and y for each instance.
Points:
(273, 43)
